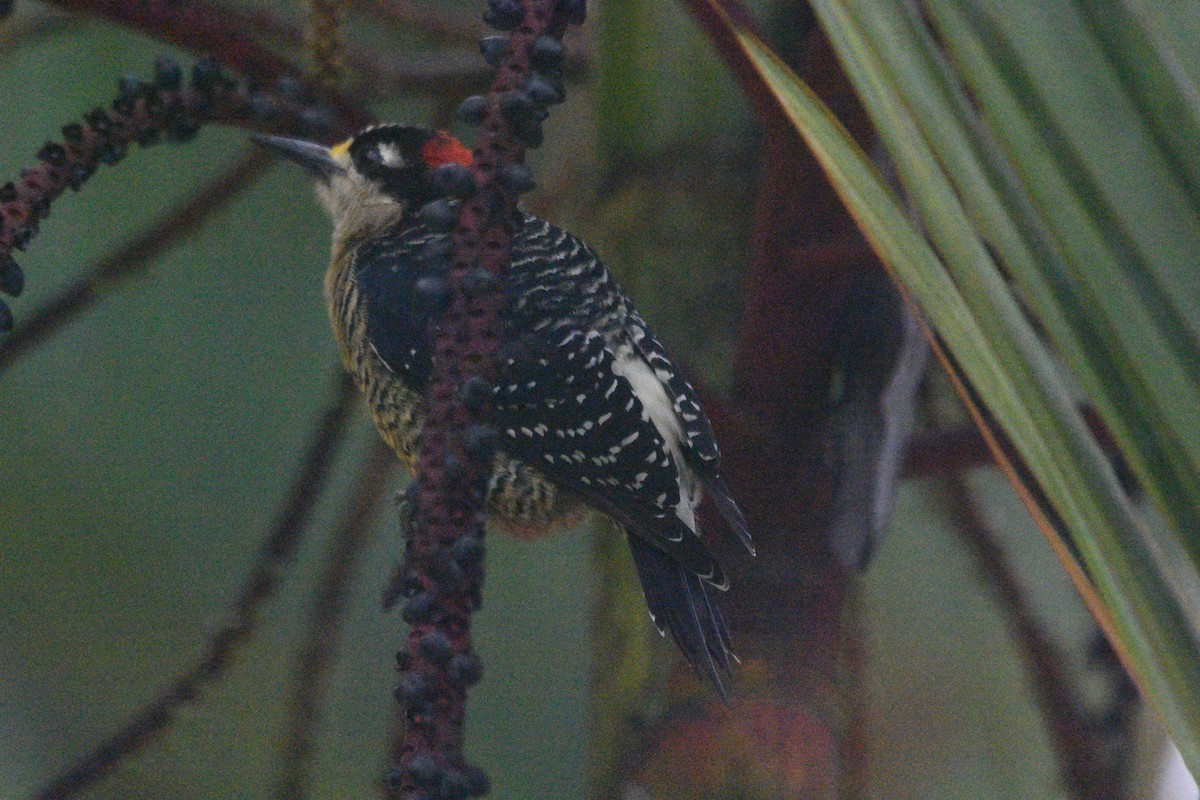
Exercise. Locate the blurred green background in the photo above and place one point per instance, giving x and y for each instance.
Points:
(144, 448)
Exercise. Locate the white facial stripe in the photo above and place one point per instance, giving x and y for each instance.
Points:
(389, 154)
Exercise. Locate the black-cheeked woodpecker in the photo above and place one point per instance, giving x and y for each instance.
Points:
(590, 408)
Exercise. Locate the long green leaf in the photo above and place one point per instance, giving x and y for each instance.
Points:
(1009, 222)
(1146, 357)
(1155, 78)
(1019, 384)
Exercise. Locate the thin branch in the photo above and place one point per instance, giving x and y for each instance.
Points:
(712, 16)
(134, 257)
(144, 113)
(317, 653)
(30, 27)
(854, 748)
(951, 450)
(325, 41)
(442, 24)
(1084, 766)
(374, 73)
(274, 557)
(210, 29)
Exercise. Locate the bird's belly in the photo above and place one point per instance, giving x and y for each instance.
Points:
(522, 502)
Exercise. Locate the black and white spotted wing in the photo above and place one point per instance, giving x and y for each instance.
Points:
(592, 433)
(578, 380)
(562, 408)
(700, 445)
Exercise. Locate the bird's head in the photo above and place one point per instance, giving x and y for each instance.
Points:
(368, 182)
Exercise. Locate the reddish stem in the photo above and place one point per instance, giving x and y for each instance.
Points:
(455, 459)
(208, 29)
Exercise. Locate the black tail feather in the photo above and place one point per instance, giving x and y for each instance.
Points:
(679, 604)
(729, 510)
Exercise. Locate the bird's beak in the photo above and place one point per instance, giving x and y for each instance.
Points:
(316, 158)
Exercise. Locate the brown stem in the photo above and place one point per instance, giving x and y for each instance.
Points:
(274, 557)
(951, 450)
(319, 649)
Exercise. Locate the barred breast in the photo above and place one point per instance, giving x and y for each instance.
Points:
(521, 501)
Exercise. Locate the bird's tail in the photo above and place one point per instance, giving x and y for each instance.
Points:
(680, 603)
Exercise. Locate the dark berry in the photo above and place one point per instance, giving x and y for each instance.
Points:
(517, 178)
(263, 106)
(465, 669)
(453, 467)
(573, 12)
(545, 91)
(438, 216)
(455, 785)
(420, 608)
(413, 688)
(481, 441)
(424, 769)
(148, 136)
(124, 105)
(475, 392)
(529, 131)
(23, 234)
(12, 279)
(477, 781)
(493, 49)
(289, 86)
(182, 128)
(98, 119)
(468, 552)
(504, 15)
(435, 291)
(73, 133)
(167, 73)
(480, 281)
(436, 647)
(130, 86)
(454, 180)
(517, 105)
(446, 572)
(472, 110)
(110, 153)
(317, 119)
(206, 73)
(78, 175)
(546, 52)
(435, 251)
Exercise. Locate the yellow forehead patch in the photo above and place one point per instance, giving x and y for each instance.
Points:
(341, 150)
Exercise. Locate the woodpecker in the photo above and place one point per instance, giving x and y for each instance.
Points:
(591, 410)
